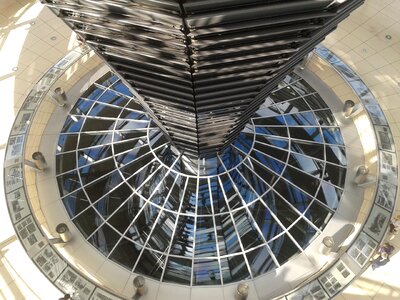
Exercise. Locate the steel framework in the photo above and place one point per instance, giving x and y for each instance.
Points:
(201, 68)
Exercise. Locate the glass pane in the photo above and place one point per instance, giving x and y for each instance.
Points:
(318, 214)
(140, 229)
(183, 239)
(228, 242)
(179, 270)
(234, 268)
(303, 233)
(153, 180)
(124, 216)
(113, 200)
(313, 150)
(92, 124)
(232, 197)
(94, 171)
(306, 133)
(88, 221)
(261, 170)
(293, 106)
(126, 253)
(105, 111)
(73, 124)
(335, 175)
(206, 272)
(67, 142)
(272, 151)
(91, 155)
(272, 121)
(101, 187)
(260, 261)
(286, 214)
(204, 200)
(93, 139)
(249, 235)
(329, 195)
(65, 162)
(336, 155)
(104, 239)
(244, 142)
(139, 178)
(274, 131)
(307, 164)
(151, 264)
(283, 248)
(283, 94)
(304, 181)
(280, 143)
(161, 186)
(254, 181)
(75, 203)
(242, 186)
(315, 101)
(219, 202)
(268, 162)
(325, 118)
(189, 198)
(161, 236)
(262, 215)
(293, 195)
(306, 118)
(174, 199)
(332, 136)
(206, 244)
(68, 183)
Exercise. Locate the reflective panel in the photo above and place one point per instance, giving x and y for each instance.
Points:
(151, 264)
(206, 272)
(283, 248)
(234, 268)
(260, 261)
(211, 221)
(178, 270)
(104, 239)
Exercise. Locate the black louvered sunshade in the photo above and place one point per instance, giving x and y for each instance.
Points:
(202, 67)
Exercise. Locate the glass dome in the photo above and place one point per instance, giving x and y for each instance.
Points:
(210, 221)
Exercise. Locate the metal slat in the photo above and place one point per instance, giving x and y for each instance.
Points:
(202, 68)
(229, 15)
(248, 25)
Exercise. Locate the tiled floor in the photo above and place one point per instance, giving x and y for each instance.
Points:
(32, 39)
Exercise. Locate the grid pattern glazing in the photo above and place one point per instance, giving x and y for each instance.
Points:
(212, 221)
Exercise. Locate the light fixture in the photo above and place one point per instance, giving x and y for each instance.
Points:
(361, 175)
(348, 108)
(327, 244)
(38, 163)
(64, 234)
(388, 37)
(139, 284)
(242, 291)
(59, 96)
